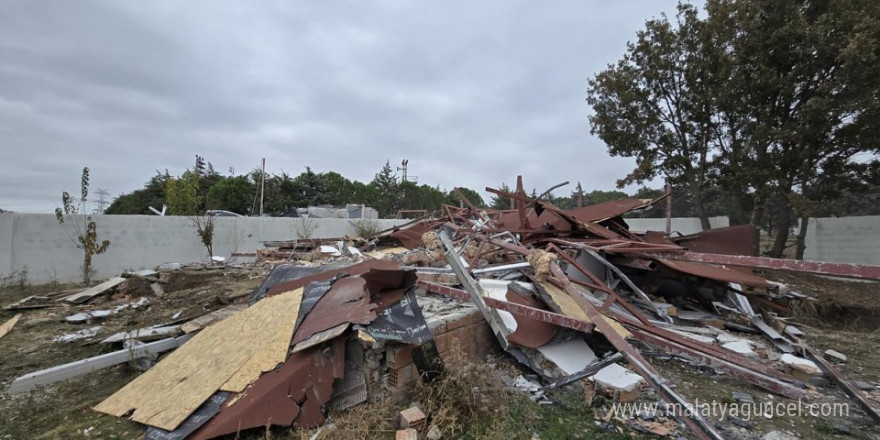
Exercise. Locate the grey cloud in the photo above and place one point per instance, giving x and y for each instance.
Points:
(472, 93)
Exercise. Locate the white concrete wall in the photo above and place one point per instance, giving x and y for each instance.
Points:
(684, 225)
(844, 240)
(38, 244)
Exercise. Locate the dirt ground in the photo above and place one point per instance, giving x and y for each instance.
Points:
(844, 317)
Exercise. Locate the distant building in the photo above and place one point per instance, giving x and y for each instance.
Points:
(350, 211)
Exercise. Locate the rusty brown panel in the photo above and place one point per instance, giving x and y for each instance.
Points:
(291, 395)
(734, 240)
(716, 273)
(411, 237)
(346, 301)
(657, 237)
(607, 210)
(355, 269)
(387, 286)
(530, 333)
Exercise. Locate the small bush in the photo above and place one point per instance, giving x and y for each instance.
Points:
(365, 227)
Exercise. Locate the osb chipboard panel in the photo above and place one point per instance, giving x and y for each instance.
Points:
(227, 355)
(566, 303)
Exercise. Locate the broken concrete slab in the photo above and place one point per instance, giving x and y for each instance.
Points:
(144, 334)
(617, 378)
(570, 356)
(835, 356)
(85, 295)
(90, 316)
(801, 368)
(79, 335)
(741, 347)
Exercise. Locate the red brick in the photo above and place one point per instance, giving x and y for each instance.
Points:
(406, 434)
(412, 418)
(398, 356)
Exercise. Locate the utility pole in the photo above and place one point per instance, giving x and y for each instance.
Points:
(668, 207)
(262, 185)
(404, 164)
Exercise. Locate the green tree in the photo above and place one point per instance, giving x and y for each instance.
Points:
(83, 232)
(656, 103)
(139, 201)
(388, 193)
(500, 202)
(235, 194)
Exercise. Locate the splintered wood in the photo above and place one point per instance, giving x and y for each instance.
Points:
(228, 355)
(7, 326)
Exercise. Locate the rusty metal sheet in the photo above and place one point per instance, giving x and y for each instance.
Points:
(515, 309)
(608, 210)
(347, 301)
(841, 380)
(815, 267)
(411, 237)
(716, 273)
(530, 332)
(734, 240)
(355, 269)
(387, 286)
(291, 395)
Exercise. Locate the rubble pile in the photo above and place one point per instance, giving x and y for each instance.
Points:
(573, 296)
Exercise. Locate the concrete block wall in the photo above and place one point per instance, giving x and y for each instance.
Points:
(844, 240)
(38, 244)
(684, 225)
(467, 330)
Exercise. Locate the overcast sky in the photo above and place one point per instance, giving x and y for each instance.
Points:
(471, 92)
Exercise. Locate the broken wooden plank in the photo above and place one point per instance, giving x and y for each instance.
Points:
(78, 368)
(320, 337)
(30, 302)
(7, 326)
(88, 294)
(217, 315)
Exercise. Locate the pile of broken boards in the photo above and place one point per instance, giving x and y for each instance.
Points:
(293, 353)
(570, 293)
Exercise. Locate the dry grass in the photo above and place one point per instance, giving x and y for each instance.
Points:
(466, 397)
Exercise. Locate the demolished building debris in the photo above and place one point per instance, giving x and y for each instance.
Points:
(568, 294)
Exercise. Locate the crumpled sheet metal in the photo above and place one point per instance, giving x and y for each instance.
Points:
(607, 210)
(411, 236)
(733, 240)
(530, 332)
(294, 394)
(355, 269)
(346, 301)
(716, 273)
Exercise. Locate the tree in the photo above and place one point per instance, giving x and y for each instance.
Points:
(139, 201)
(85, 230)
(501, 202)
(233, 194)
(655, 104)
(387, 191)
(804, 76)
(183, 199)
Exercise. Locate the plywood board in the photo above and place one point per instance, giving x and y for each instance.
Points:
(7, 326)
(228, 355)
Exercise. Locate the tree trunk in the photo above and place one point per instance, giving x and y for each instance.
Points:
(801, 237)
(699, 208)
(738, 213)
(755, 220)
(783, 224)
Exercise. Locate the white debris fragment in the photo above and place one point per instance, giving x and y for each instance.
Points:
(570, 356)
(616, 377)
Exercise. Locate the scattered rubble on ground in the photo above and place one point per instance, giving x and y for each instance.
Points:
(570, 299)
